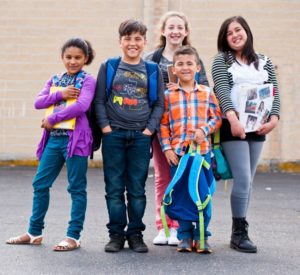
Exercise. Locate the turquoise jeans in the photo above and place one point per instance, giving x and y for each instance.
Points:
(52, 161)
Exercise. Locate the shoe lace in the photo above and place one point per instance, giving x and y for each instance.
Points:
(116, 238)
(173, 232)
(162, 233)
(136, 239)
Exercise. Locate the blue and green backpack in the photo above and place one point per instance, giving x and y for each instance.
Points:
(189, 194)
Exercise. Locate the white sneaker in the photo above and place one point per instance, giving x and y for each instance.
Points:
(172, 240)
(161, 238)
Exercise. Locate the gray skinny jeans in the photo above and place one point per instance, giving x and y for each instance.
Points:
(243, 157)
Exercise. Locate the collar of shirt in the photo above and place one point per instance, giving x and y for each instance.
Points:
(196, 88)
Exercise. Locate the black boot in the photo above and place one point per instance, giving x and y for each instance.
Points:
(115, 244)
(136, 243)
(239, 237)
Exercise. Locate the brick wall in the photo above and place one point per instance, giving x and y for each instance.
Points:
(32, 32)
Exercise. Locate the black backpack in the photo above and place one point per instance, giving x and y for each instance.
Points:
(91, 116)
(96, 131)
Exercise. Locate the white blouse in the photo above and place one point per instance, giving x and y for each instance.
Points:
(243, 75)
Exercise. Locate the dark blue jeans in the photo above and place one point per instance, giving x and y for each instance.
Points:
(52, 161)
(126, 156)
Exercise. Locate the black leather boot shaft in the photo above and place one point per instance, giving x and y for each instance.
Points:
(239, 237)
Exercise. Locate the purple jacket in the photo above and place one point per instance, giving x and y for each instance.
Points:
(80, 139)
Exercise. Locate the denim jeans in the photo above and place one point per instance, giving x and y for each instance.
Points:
(126, 156)
(191, 229)
(52, 161)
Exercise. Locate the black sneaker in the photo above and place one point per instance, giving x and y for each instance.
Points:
(136, 243)
(115, 244)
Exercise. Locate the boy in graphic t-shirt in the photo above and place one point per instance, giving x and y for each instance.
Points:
(128, 117)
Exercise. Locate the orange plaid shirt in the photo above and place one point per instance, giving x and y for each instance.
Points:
(184, 111)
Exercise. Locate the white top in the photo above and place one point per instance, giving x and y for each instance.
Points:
(243, 75)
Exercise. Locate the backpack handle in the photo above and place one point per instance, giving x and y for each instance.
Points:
(194, 148)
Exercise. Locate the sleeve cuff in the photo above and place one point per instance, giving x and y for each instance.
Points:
(51, 120)
(166, 147)
(151, 129)
(205, 130)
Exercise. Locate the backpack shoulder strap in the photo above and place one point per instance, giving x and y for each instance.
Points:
(152, 74)
(151, 67)
(197, 77)
(111, 69)
(198, 164)
(157, 55)
(178, 174)
(196, 178)
(215, 139)
(167, 198)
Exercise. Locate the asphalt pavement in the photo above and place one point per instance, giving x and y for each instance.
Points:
(274, 219)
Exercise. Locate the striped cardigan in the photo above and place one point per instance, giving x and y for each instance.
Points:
(223, 81)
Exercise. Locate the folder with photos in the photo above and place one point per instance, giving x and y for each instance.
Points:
(255, 104)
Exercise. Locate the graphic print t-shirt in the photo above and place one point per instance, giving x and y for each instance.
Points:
(128, 105)
(64, 81)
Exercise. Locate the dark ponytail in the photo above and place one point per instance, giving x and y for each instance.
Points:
(82, 44)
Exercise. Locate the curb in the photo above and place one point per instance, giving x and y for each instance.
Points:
(34, 162)
(284, 167)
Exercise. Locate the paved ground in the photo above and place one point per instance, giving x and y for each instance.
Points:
(274, 219)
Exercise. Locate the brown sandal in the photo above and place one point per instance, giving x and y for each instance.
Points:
(26, 239)
(68, 244)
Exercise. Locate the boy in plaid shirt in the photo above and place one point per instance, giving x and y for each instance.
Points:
(191, 114)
